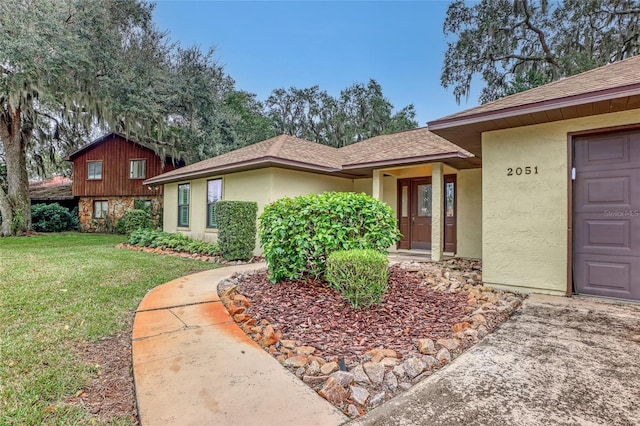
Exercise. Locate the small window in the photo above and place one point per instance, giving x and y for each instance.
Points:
(184, 197)
(100, 209)
(137, 169)
(214, 194)
(94, 170)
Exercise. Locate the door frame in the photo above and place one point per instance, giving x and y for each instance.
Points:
(411, 204)
(570, 163)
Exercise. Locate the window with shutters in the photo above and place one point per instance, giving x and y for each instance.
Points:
(184, 198)
(214, 194)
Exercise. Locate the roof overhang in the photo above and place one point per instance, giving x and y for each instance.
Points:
(456, 159)
(241, 166)
(465, 130)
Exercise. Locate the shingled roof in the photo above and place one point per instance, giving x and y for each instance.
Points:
(281, 150)
(610, 88)
(355, 160)
(409, 146)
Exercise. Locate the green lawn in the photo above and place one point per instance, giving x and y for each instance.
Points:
(62, 288)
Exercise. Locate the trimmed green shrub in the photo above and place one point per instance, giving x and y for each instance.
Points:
(298, 234)
(75, 218)
(50, 218)
(361, 276)
(133, 219)
(236, 222)
(149, 238)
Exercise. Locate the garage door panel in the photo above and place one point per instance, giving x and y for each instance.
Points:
(609, 150)
(606, 215)
(603, 152)
(607, 234)
(610, 276)
(600, 190)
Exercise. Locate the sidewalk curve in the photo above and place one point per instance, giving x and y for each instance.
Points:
(193, 365)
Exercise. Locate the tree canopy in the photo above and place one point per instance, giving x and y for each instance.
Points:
(514, 45)
(73, 69)
(360, 112)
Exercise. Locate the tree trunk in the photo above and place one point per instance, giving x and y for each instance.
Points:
(15, 205)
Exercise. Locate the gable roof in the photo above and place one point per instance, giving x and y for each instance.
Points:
(357, 160)
(409, 146)
(282, 150)
(610, 88)
(105, 138)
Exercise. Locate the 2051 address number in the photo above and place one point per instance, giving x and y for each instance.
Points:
(519, 171)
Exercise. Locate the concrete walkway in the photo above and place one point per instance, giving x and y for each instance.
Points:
(193, 365)
(557, 361)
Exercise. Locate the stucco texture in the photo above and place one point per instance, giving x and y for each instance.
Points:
(469, 224)
(525, 216)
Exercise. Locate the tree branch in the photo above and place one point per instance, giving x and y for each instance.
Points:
(541, 37)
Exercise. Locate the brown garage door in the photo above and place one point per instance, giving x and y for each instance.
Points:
(606, 221)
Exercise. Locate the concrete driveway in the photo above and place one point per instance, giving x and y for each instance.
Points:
(557, 361)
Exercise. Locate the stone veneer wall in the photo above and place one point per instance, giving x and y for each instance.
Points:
(116, 208)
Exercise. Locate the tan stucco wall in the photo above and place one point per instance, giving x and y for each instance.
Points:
(170, 207)
(262, 186)
(363, 185)
(469, 220)
(524, 232)
(291, 183)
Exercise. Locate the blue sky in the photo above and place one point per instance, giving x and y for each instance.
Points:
(266, 45)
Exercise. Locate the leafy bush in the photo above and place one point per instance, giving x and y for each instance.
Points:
(50, 218)
(361, 276)
(149, 238)
(298, 234)
(134, 219)
(75, 218)
(236, 222)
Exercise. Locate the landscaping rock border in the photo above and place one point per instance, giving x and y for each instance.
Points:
(381, 373)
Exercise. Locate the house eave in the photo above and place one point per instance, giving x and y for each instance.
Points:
(240, 166)
(404, 161)
(557, 103)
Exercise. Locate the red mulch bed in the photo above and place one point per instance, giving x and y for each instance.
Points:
(313, 314)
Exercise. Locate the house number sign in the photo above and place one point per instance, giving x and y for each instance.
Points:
(519, 171)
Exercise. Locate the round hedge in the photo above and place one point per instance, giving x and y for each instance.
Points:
(297, 234)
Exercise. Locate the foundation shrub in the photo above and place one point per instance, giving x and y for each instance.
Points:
(236, 221)
(298, 234)
(51, 218)
(149, 238)
(361, 276)
(134, 219)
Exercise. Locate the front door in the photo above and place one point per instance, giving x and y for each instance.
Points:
(606, 215)
(414, 213)
(421, 196)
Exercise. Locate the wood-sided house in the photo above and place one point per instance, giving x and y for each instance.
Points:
(108, 176)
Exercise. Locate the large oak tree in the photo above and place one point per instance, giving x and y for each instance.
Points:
(66, 67)
(72, 68)
(514, 45)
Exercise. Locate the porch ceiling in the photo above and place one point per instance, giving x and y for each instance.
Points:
(455, 162)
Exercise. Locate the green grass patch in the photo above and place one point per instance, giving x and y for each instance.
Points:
(63, 288)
